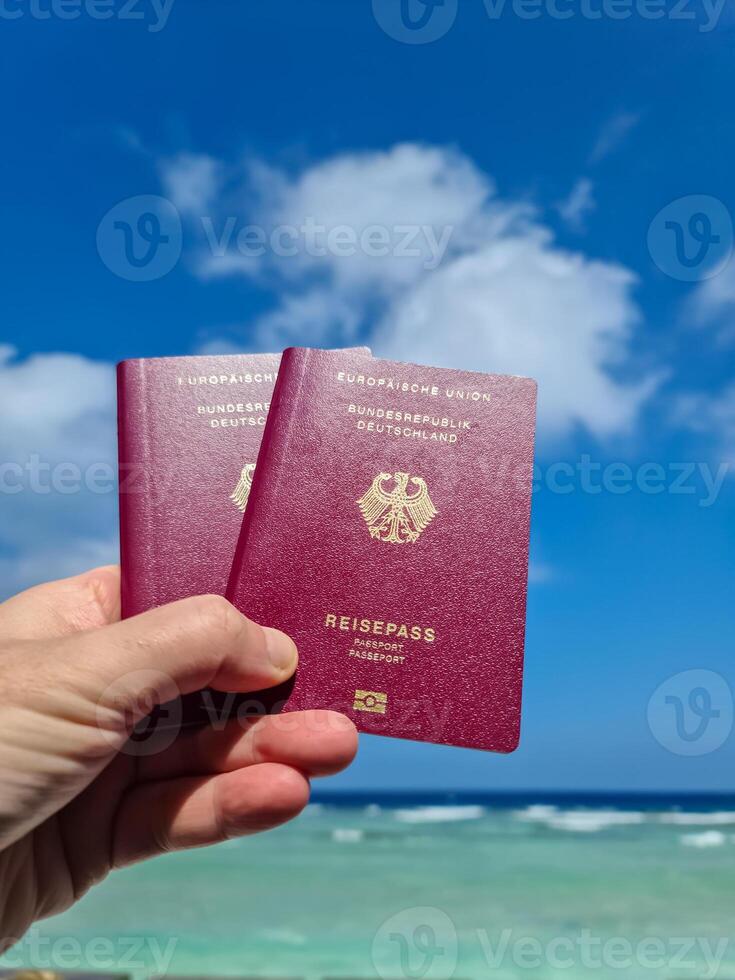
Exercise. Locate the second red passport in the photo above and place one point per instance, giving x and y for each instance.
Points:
(189, 432)
(387, 532)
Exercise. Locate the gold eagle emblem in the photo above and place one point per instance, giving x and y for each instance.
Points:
(396, 515)
(240, 494)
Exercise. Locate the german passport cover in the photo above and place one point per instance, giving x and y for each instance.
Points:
(387, 532)
(189, 430)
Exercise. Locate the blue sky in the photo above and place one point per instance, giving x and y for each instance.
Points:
(545, 148)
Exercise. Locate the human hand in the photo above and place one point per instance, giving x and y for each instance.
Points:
(74, 804)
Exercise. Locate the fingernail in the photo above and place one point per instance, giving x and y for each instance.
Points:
(281, 649)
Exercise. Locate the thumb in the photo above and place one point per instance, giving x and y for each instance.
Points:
(68, 703)
(126, 669)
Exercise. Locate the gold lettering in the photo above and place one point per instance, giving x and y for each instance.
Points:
(379, 627)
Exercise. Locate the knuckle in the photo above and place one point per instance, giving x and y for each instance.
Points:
(94, 605)
(219, 618)
(103, 589)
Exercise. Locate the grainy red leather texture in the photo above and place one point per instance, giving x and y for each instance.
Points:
(186, 428)
(426, 634)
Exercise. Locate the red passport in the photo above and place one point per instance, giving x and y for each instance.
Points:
(387, 532)
(189, 430)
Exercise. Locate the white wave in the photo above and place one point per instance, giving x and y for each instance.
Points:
(313, 809)
(373, 810)
(720, 818)
(580, 821)
(347, 835)
(592, 821)
(439, 814)
(708, 838)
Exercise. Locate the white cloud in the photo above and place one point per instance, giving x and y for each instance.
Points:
(613, 134)
(412, 204)
(712, 415)
(60, 406)
(408, 187)
(712, 304)
(579, 203)
(503, 298)
(57, 464)
(522, 306)
(317, 313)
(191, 181)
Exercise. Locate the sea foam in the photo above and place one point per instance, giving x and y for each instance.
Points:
(347, 835)
(708, 838)
(580, 821)
(439, 814)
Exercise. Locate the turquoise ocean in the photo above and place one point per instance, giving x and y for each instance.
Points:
(408, 886)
